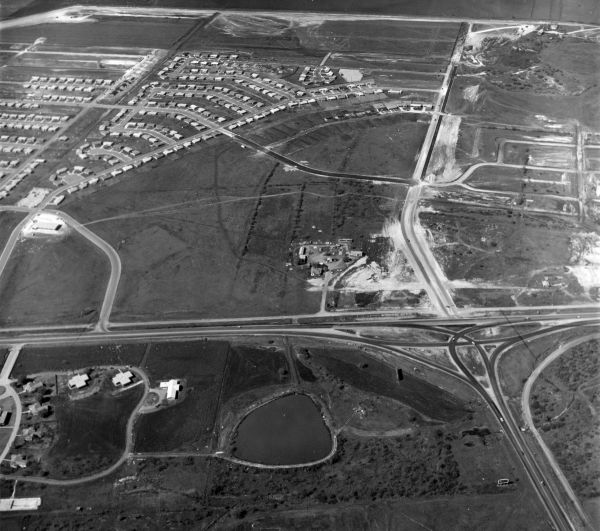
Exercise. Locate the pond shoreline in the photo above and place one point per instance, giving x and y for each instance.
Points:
(325, 417)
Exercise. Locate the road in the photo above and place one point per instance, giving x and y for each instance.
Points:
(525, 408)
(417, 250)
(107, 471)
(115, 268)
(336, 326)
(544, 484)
(9, 391)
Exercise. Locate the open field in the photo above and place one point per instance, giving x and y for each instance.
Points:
(550, 85)
(189, 424)
(523, 181)
(518, 363)
(386, 145)
(190, 205)
(8, 221)
(374, 376)
(189, 258)
(60, 279)
(584, 11)
(396, 455)
(488, 511)
(527, 255)
(90, 432)
(32, 360)
(254, 367)
(146, 33)
(564, 404)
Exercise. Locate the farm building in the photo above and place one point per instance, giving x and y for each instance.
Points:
(4, 416)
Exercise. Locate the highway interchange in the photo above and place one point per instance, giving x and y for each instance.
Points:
(563, 509)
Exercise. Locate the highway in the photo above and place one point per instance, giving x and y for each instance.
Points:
(344, 326)
(418, 252)
(526, 409)
(545, 485)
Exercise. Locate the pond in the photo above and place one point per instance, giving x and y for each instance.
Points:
(286, 431)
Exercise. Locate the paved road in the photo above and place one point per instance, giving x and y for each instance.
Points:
(115, 268)
(9, 391)
(418, 252)
(525, 408)
(544, 485)
(110, 469)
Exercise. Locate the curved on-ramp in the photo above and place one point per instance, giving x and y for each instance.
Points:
(530, 424)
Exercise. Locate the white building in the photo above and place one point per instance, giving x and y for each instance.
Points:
(122, 379)
(44, 223)
(173, 387)
(78, 381)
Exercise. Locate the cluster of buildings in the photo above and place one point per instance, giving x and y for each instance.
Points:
(317, 75)
(73, 175)
(385, 107)
(205, 60)
(131, 76)
(32, 121)
(46, 223)
(46, 88)
(107, 151)
(9, 184)
(320, 257)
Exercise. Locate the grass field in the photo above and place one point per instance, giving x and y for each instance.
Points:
(53, 281)
(8, 221)
(564, 404)
(209, 234)
(32, 360)
(189, 424)
(184, 241)
(148, 33)
(373, 376)
(90, 432)
(385, 145)
(253, 367)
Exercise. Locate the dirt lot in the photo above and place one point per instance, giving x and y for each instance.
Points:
(564, 404)
(55, 280)
(525, 255)
(543, 76)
